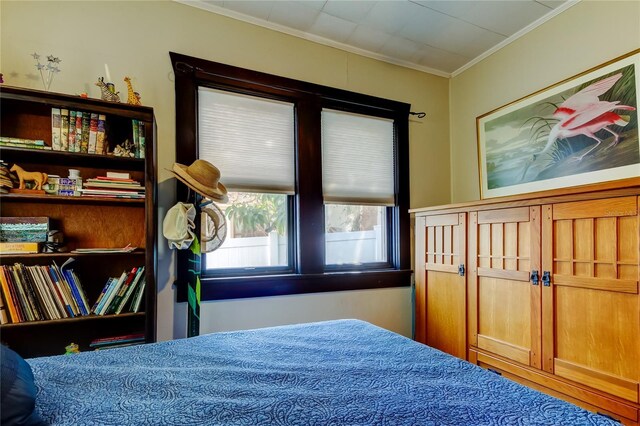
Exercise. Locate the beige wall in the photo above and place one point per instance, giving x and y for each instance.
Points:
(134, 39)
(584, 36)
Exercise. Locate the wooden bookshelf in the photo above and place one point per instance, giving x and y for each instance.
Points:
(86, 222)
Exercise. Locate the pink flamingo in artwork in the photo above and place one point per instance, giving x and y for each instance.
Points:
(585, 114)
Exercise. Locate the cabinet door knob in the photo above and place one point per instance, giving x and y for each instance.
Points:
(461, 269)
(535, 278)
(546, 278)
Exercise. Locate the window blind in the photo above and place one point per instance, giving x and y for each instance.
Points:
(250, 139)
(357, 159)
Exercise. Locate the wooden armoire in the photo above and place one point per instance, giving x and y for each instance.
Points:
(540, 288)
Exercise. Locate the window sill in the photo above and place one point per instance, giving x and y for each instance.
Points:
(279, 285)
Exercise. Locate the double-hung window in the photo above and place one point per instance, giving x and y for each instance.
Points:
(318, 182)
(358, 186)
(251, 140)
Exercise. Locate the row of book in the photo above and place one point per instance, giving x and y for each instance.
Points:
(78, 131)
(49, 292)
(117, 292)
(33, 293)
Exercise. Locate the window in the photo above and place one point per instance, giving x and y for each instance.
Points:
(318, 182)
(357, 186)
(251, 140)
(355, 234)
(257, 236)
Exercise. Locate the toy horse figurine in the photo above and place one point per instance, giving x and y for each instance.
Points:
(107, 95)
(133, 98)
(38, 177)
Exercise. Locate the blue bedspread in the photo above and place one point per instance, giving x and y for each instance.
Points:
(345, 372)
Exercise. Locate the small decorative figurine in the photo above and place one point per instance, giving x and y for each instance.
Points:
(133, 98)
(107, 95)
(23, 176)
(71, 349)
(51, 67)
(127, 149)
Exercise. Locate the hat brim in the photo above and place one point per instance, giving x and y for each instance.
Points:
(219, 193)
(211, 242)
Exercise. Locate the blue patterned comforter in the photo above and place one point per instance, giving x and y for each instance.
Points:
(345, 372)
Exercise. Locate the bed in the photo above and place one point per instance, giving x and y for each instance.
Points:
(345, 372)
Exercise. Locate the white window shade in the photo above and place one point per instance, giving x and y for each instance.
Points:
(357, 159)
(250, 139)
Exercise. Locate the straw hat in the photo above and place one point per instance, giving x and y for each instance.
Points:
(203, 177)
(213, 230)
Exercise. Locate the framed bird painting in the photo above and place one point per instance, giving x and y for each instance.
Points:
(583, 130)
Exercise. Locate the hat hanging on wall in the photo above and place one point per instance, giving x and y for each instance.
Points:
(178, 225)
(203, 177)
(213, 229)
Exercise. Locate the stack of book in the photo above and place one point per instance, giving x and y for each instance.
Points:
(33, 293)
(23, 143)
(117, 341)
(7, 179)
(113, 185)
(78, 131)
(21, 235)
(121, 294)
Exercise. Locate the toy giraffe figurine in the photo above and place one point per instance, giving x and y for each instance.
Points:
(107, 95)
(131, 95)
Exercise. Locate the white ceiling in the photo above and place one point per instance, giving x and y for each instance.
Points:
(441, 37)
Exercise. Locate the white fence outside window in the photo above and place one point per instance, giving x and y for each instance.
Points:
(271, 250)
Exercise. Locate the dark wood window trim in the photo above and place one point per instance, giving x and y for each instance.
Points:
(310, 275)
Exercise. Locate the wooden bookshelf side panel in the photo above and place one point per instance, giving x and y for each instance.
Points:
(88, 226)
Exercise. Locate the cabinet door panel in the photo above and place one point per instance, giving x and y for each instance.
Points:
(504, 307)
(440, 290)
(446, 313)
(592, 308)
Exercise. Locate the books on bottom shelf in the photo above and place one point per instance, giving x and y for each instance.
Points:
(49, 292)
(117, 341)
(45, 292)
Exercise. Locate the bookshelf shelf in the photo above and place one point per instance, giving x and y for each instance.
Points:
(72, 158)
(10, 258)
(69, 199)
(85, 222)
(86, 318)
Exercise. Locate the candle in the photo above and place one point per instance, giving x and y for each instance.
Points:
(106, 73)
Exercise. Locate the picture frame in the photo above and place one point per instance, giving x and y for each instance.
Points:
(582, 130)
